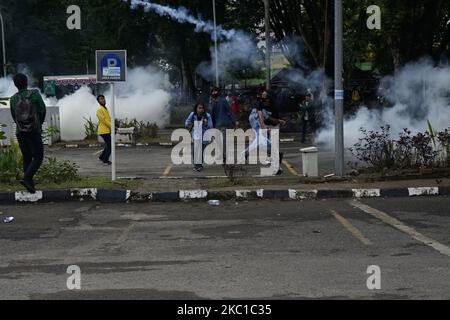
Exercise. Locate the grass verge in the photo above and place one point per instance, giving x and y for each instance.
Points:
(83, 182)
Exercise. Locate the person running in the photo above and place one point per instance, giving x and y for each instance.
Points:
(28, 111)
(104, 129)
(258, 118)
(199, 115)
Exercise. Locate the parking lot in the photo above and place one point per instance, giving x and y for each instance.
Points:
(261, 250)
(155, 162)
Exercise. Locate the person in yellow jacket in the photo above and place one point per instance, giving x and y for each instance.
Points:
(104, 128)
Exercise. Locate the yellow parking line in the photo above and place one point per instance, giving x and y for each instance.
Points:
(351, 228)
(167, 171)
(290, 168)
(393, 222)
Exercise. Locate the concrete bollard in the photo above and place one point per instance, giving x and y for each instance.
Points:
(310, 161)
(125, 135)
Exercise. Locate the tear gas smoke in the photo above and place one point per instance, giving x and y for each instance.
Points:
(182, 15)
(237, 52)
(418, 92)
(142, 97)
(7, 88)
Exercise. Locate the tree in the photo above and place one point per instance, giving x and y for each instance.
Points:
(312, 20)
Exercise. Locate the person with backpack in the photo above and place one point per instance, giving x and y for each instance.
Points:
(199, 115)
(104, 129)
(28, 111)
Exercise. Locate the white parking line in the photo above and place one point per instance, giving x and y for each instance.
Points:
(402, 227)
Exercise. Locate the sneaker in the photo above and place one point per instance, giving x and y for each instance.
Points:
(29, 186)
(107, 163)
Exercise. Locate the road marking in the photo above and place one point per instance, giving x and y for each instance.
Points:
(124, 236)
(290, 168)
(167, 171)
(351, 228)
(402, 227)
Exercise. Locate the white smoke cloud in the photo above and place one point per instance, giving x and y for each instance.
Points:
(72, 110)
(7, 88)
(182, 15)
(238, 50)
(143, 97)
(418, 92)
(237, 53)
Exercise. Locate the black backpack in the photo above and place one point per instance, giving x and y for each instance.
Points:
(26, 114)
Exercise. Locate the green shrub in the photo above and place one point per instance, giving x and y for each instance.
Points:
(141, 129)
(90, 129)
(422, 150)
(55, 171)
(10, 163)
(50, 132)
(2, 133)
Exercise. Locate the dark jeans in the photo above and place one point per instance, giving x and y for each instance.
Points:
(305, 125)
(224, 143)
(32, 149)
(107, 151)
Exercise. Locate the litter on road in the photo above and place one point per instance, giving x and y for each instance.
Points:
(8, 219)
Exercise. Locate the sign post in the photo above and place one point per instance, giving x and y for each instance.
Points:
(339, 90)
(111, 66)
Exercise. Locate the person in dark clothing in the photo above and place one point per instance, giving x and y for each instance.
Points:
(270, 106)
(221, 114)
(306, 116)
(28, 111)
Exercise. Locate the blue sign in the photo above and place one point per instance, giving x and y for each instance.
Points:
(111, 65)
(339, 94)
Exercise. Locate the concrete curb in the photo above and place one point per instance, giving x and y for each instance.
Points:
(127, 196)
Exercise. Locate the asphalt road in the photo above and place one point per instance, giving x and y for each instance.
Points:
(245, 250)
